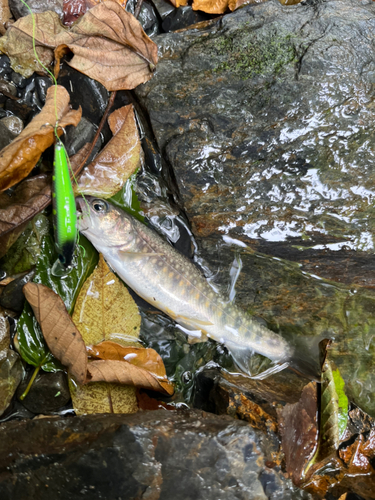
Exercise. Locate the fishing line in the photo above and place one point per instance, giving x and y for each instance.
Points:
(65, 227)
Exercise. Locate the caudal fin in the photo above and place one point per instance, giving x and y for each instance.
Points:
(306, 358)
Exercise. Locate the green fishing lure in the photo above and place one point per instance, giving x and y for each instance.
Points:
(64, 207)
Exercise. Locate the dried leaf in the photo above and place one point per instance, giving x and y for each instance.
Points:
(120, 158)
(211, 6)
(235, 4)
(5, 15)
(108, 43)
(22, 154)
(179, 3)
(62, 337)
(104, 307)
(146, 361)
(74, 9)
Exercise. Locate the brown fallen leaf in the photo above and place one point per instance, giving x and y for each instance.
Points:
(221, 6)
(5, 15)
(108, 43)
(74, 9)
(62, 337)
(147, 361)
(105, 310)
(20, 157)
(120, 158)
(121, 372)
(179, 3)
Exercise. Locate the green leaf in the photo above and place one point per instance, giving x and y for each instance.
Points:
(32, 346)
(127, 199)
(24, 254)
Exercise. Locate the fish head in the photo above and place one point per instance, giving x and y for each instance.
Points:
(103, 223)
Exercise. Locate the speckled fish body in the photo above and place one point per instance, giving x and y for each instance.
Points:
(168, 280)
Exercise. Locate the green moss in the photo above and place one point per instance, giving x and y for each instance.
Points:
(247, 54)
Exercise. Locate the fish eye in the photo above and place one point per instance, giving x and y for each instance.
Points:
(100, 206)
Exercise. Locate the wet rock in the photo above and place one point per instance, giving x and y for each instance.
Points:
(42, 84)
(147, 17)
(91, 95)
(182, 18)
(5, 69)
(7, 88)
(12, 296)
(13, 124)
(77, 137)
(21, 109)
(158, 454)
(18, 9)
(269, 140)
(255, 401)
(49, 392)
(6, 136)
(19, 80)
(163, 7)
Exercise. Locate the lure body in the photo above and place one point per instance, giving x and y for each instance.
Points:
(64, 207)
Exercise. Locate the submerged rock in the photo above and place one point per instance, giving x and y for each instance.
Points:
(158, 454)
(267, 120)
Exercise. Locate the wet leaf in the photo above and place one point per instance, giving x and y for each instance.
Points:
(333, 411)
(148, 372)
(20, 157)
(108, 43)
(62, 337)
(33, 348)
(11, 370)
(106, 175)
(29, 198)
(25, 252)
(105, 310)
(122, 372)
(299, 432)
(5, 15)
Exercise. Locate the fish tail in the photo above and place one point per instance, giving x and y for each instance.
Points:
(306, 357)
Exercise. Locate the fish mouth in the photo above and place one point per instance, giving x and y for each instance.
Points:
(83, 212)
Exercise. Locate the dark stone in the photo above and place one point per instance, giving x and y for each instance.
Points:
(42, 84)
(147, 17)
(19, 80)
(48, 393)
(5, 68)
(18, 9)
(163, 7)
(3, 113)
(12, 296)
(13, 123)
(182, 18)
(158, 454)
(77, 137)
(7, 87)
(91, 95)
(20, 109)
(6, 136)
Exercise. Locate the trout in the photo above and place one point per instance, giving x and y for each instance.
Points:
(172, 283)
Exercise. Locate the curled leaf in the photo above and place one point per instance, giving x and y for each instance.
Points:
(145, 360)
(120, 158)
(108, 43)
(120, 372)
(59, 331)
(20, 157)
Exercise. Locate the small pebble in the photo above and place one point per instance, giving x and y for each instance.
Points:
(13, 124)
(42, 84)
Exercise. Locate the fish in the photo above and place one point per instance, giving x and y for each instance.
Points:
(171, 282)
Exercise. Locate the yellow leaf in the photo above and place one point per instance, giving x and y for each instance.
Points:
(120, 158)
(105, 309)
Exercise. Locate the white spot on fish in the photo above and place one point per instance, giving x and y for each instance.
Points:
(233, 331)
